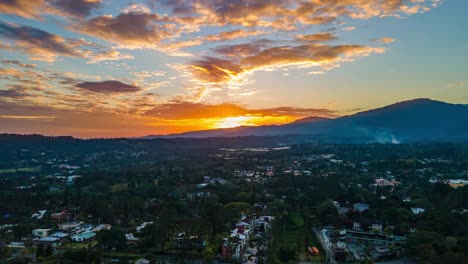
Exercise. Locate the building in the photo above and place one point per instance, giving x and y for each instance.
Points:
(457, 183)
(101, 227)
(83, 237)
(69, 226)
(142, 261)
(39, 214)
(360, 207)
(417, 210)
(64, 215)
(131, 239)
(142, 226)
(41, 232)
(384, 182)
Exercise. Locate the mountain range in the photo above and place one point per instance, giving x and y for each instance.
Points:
(419, 120)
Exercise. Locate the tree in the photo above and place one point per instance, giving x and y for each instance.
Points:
(208, 255)
(40, 251)
(286, 254)
(111, 239)
(327, 212)
(49, 251)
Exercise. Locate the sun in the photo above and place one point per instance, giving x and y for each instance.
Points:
(236, 121)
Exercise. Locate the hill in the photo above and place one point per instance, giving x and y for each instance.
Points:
(419, 120)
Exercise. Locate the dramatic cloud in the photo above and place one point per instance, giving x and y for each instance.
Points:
(218, 70)
(108, 87)
(35, 9)
(189, 110)
(23, 8)
(288, 14)
(78, 8)
(45, 46)
(19, 63)
(131, 30)
(223, 43)
(39, 43)
(10, 93)
(229, 35)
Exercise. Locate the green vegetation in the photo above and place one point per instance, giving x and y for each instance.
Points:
(31, 169)
(192, 195)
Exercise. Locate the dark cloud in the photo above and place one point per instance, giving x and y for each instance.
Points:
(45, 46)
(79, 8)
(108, 87)
(23, 8)
(132, 29)
(19, 63)
(37, 42)
(12, 93)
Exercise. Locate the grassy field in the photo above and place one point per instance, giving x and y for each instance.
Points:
(80, 245)
(31, 169)
(119, 187)
(295, 236)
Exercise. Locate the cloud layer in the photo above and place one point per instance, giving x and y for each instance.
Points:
(163, 64)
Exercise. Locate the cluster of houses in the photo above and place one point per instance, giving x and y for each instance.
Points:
(351, 245)
(74, 231)
(248, 227)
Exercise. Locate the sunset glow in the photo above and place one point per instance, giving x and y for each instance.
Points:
(235, 121)
(130, 68)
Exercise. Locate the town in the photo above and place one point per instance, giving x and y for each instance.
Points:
(268, 203)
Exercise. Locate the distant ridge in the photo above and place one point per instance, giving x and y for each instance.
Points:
(310, 119)
(418, 120)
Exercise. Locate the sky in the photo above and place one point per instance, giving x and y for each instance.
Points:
(103, 68)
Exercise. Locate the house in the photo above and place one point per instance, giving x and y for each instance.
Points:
(457, 183)
(64, 215)
(71, 179)
(264, 222)
(60, 235)
(360, 207)
(385, 182)
(181, 240)
(16, 245)
(131, 239)
(48, 240)
(376, 227)
(417, 210)
(41, 232)
(39, 214)
(356, 226)
(142, 261)
(231, 249)
(69, 226)
(101, 227)
(142, 226)
(85, 236)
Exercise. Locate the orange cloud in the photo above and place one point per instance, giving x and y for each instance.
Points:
(384, 40)
(319, 37)
(190, 110)
(23, 8)
(229, 35)
(218, 70)
(135, 29)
